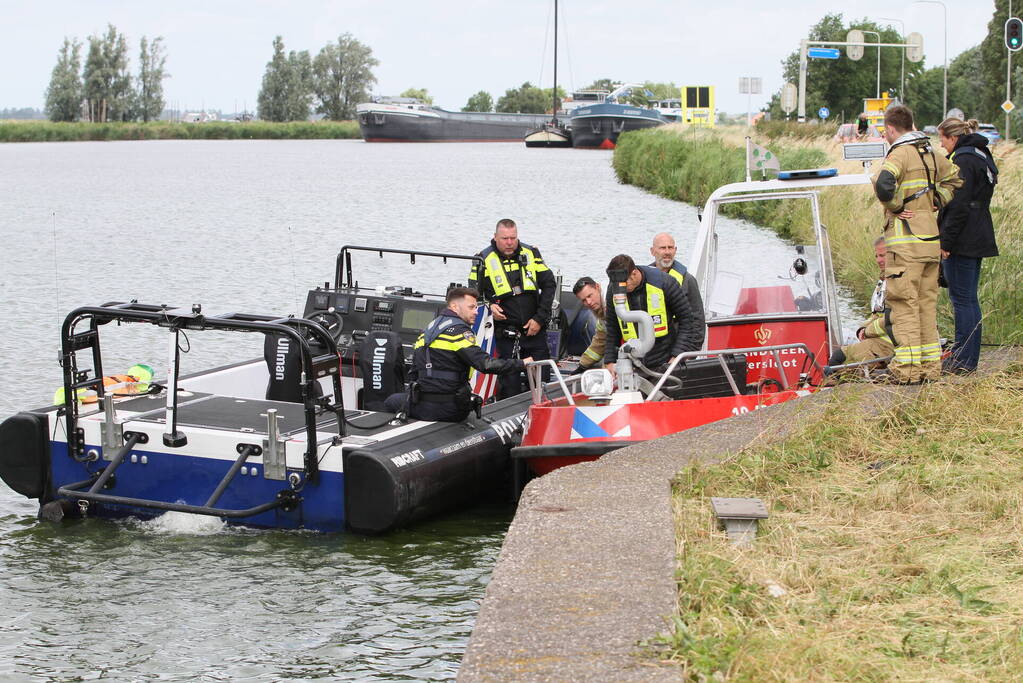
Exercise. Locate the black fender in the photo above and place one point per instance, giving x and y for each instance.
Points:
(25, 455)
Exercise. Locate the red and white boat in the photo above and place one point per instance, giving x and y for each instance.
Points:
(768, 340)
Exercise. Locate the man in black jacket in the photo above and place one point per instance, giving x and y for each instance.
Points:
(441, 359)
(967, 236)
(520, 290)
(676, 329)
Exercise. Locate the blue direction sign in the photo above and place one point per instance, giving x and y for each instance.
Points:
(823, 53)
(824, 112)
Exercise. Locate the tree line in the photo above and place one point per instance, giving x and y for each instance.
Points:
(976, 77)
(102, 89)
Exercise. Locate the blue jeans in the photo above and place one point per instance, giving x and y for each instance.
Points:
(963, 275)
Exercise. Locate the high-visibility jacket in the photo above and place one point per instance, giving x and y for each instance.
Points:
(913, 176)
(521, 283)
(497, 271)
(688, 283)
(656, 305)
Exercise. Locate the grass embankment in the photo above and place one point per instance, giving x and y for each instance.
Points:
(47, 131)
(892, 551)
(687, 164)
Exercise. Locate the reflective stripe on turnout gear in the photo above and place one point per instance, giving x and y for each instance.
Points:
(433, 337)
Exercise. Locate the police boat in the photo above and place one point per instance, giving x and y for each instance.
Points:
(768, 340)
(296, 439)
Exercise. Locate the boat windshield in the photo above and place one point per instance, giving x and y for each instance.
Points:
(791, 281)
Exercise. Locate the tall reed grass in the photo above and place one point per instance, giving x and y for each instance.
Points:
(687, 164)
(47, 131)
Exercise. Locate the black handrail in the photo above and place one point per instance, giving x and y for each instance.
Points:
(343, 268)
(296, 329)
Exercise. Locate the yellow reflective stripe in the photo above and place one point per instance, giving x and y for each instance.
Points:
(657, 307)
(876, 327)
(890, 167)
(592, 355)
(906, 239)
(679, 277)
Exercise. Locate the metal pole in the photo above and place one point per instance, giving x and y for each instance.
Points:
(801, 110)
(944, 94)
(878, 95)
(902, 72)
(1008, 79)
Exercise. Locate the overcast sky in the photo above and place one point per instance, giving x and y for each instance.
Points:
(217, 49)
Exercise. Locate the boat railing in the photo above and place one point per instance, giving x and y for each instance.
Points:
(720, 354)
(537, 386)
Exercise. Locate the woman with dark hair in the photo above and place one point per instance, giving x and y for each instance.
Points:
(967, 235)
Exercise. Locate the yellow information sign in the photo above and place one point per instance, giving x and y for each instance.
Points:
(1008, 106)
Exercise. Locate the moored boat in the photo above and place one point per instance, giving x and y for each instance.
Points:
(392, 120)
(598, 125)
(552, 133)
(767, 342)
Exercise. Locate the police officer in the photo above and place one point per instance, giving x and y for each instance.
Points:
(663, 250)
(441, 359)
(912, 185)
(676, 329)
(520, 289)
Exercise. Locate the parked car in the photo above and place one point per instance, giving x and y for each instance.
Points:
(931, 130)
(990, 132)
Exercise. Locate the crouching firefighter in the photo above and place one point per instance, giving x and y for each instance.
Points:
(441, 360)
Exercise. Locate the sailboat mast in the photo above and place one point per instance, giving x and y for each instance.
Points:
(554, 97)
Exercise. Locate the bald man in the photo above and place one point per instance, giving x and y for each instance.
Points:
(663, 250)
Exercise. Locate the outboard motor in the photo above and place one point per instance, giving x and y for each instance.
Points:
(383, 368)
(633, 348)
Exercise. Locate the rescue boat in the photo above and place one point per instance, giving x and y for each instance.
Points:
(296, 439)
(768, 340)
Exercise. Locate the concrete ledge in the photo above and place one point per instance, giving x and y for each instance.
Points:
(587, 568)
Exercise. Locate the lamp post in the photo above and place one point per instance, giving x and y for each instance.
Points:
(878, 95)
(902, 74)
(944, 93)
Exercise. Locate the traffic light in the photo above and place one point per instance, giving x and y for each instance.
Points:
(1014, 34)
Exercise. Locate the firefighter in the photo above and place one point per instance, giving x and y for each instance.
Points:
(676, 329)
(520, 290)
(441, 359)
(874, 335)
(914, 183)
(663, 250)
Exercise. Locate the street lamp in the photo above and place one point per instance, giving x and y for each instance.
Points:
(878, 95)
(902, 75)
(944, 94)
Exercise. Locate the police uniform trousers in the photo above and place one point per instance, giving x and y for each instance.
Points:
(912, 295)
(866, 349)
(534, 347)
(453, 407)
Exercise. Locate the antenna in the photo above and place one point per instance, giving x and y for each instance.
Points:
(294, 276)
(56, 277)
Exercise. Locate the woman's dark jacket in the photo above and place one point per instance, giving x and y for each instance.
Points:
(966, 227)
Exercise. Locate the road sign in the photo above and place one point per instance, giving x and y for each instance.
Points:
(824, 112)
(823, 53)
(788, 97)
(854, 52)
(916, 52)
(1008, 106)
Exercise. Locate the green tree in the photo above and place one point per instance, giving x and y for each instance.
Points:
(342, 77)
(149, 93)
(664, 91)
(842, 84)
(990, 93)
(420, 94)
(527, 99)
(64, 94)
(286, 92)
(106, 81)
(602, 84)
(481, 101)
(923, 95)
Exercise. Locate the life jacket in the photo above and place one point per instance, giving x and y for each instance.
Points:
(656, 305)
(678, 271)
(434, 337)
(496, 273)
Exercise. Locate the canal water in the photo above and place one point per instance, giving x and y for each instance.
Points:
(250, 226)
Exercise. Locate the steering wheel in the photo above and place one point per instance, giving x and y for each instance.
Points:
(331, 321)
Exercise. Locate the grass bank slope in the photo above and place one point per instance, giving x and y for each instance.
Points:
(892, 551)
(48, 131)
(687, 164)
